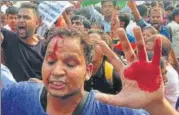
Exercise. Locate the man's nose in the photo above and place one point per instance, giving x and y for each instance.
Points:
(58, 70)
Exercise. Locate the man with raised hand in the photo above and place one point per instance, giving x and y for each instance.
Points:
(23, 52)
(67, 65)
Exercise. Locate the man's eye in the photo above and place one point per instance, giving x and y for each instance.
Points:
(51, 62)
(71, 64)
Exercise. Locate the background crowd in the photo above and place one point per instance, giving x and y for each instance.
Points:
(24, 42)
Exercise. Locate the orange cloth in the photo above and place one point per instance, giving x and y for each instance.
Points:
(61, 22)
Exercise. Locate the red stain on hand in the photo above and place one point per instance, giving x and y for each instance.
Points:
(147, 74)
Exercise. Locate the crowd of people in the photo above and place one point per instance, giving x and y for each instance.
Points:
(93, 60)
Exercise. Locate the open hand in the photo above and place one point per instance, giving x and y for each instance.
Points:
(142, 81)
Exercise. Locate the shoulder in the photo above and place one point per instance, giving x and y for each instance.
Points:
(21, 89)
(7, 33)
(21, 97)
(171, 71)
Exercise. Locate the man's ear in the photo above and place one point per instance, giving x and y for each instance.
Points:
(89, 71)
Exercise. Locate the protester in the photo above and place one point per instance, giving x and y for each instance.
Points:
(174, 27)
(172, 86)
(3, 18)
(107, 8)
(148, 32)
(104, 77)
(11, 13)
(24, 51)
(155, 19)
(80, 22)
(62, 49)
(64, 71)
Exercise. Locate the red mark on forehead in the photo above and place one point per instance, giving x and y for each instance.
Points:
(55, 48)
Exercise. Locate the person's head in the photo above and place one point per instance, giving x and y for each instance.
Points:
(3, 18)
(143, 10)
(108, 7)
(169, 9)
(80, 22)
(148, 32)
(157, 4)
(167, 50)
(175, 15)
(156, 17)
(11, 13)
(98, 56)
(67, 62)
(28, 20)
(177, 6)
(124, 19)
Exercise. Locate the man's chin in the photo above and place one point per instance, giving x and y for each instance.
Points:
(64, 95)
(156, 26)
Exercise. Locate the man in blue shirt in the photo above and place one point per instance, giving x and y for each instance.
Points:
(155, 19)
(107, 8)
(67, 65)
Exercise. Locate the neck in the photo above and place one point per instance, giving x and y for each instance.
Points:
(108, 18)
(32, 40)
(13, 29)
(159, 28)
(58, 106)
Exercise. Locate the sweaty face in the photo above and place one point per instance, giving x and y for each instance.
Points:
(156, 18)
(98, 57)
(27, 23)
(12, 21)
(64, 68)
(108, 8)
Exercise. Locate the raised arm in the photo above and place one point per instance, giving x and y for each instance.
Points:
(142, 80)
(132, 5)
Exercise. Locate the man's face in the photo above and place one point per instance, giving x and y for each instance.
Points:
(27, 23)
(78, 24)
(156, 18)
(149, 44)
(147, 34)
(98, 57)
(177, 18)
(108, 8)
(12, 21)
(3, 19)
(64, 68)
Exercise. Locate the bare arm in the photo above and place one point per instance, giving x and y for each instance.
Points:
(135, 12)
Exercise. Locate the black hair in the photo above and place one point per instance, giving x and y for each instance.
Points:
(170, 7)
(12, 10)
(114, 2)
(72, 33)
(32, 6)
(124, 17)
(177, 6)
(175, 12)
(142, 10)
(84, 20)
